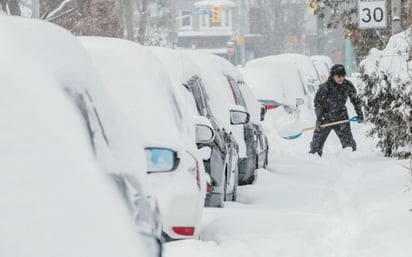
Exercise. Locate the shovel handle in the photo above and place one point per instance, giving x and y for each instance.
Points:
(327, 124)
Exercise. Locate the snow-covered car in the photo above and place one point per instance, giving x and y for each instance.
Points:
(277, 79)
(54, 201)
(257, 113)
(118, 148)
(138, 82)
(322, 64)
(307, 71)
(222, 164)
(221, 79)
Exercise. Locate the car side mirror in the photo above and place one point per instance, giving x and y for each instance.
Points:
(204, 134)
(160, 159)
(263, 110)
(205, 152)
(238, 117)
(204, 130)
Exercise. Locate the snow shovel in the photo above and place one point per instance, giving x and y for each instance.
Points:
(294, 131)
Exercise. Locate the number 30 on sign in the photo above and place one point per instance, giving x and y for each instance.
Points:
(372, 14)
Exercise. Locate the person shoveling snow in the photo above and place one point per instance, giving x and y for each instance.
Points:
(330, 106)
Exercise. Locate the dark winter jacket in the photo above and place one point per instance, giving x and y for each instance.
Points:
(331, 98)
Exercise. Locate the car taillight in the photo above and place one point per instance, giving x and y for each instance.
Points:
(272, 106)
(196, 170)
(184, 231)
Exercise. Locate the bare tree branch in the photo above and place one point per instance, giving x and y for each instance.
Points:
(61, 14)
(57, 10)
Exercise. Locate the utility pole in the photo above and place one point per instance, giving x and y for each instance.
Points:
(396, 16)
(35, 9)
(173, 34)
(242, 31)
(409, 12)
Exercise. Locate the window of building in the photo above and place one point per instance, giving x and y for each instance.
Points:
(185, 19)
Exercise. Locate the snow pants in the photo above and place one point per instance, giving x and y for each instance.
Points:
(320, 135)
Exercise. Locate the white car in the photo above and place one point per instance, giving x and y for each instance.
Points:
(53, 199)
(277, 78)
(138, 82)
(322, 64)
(117, 147)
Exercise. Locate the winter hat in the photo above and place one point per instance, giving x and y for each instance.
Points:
(338, 69)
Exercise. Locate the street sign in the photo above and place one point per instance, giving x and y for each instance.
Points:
(372, 14)
(235, 35)
(201, 12)
(230, 49)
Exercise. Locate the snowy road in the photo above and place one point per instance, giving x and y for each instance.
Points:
(341, 205)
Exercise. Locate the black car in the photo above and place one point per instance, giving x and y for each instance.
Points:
(256, 141)
(222, 165)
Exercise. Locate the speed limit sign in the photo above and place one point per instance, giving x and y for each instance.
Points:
(372, 14)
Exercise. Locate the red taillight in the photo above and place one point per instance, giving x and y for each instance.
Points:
(210, 188)
(184, 231)
(272, 106)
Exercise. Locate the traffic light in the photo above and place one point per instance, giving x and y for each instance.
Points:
(313, 5)
(216, 14)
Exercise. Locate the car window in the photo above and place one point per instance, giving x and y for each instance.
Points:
(98, 137)
(196, 91)
(177, 112)
(237, 95)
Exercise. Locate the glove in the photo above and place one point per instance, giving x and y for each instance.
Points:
(360, 118)
(317, 124)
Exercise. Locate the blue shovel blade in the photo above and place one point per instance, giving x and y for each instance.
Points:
(293, 137)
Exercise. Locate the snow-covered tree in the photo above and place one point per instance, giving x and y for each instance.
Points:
(387, 94)
(344, 13)
(146, 21)
(11, 7)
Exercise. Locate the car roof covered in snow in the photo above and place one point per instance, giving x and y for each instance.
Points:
(65, 59)
(275, 78)
(137, 80)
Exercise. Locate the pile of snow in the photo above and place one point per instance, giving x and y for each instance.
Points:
(387, 93)
(343, 204)
(393, 61)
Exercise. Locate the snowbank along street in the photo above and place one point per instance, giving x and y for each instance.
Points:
(343, 204)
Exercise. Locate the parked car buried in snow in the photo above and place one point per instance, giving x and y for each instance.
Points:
(117, 147)
(138, 83)
(54, 201)
(221, 83)
(223, 160)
